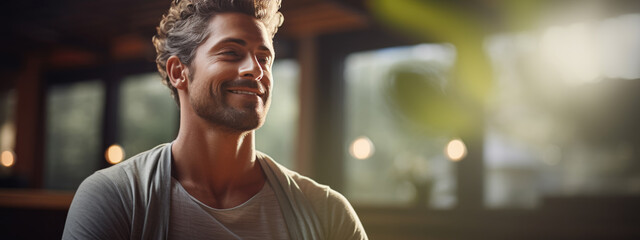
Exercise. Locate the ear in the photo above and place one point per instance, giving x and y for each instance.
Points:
(177, 72)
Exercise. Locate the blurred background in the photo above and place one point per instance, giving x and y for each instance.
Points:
(465, 119)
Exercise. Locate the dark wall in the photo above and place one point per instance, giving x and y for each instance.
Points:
(29, 223)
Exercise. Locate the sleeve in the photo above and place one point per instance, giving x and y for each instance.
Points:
(97, 211)
(339, 219)
(344, 222)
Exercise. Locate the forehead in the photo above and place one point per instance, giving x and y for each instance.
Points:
(238, 26)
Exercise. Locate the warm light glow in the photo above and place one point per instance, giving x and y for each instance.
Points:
(7, 159)
(361, 148)
(572, 52)
(114, 154)
(456, 150)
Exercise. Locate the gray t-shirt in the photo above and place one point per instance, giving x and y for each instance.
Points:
(132, 200)
(259, 217)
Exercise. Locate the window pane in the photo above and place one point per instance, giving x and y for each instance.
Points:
(73, 133)
(564, 122)
(389, 162)
(148, 114)
(276, 137)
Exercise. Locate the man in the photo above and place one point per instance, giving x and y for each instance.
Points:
(210, 182)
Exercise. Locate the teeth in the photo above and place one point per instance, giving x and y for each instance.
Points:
(243, 92)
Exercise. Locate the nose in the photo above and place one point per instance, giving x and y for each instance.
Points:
(250, 68)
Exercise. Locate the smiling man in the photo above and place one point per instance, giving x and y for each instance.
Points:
(210, 182)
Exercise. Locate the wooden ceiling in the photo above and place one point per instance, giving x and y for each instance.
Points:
(84, 31)
(71, 32)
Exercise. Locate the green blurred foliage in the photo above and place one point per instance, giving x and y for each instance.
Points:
(418, 90)
(436, 21)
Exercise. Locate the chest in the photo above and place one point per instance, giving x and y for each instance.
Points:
(259, 217)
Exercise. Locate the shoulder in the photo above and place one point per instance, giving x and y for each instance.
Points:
(136, 171)
(332, 208)
(104, 203)
(144, 161)
(310, 188)
(128, 179)
(318, 194)
(120, 180)
(98, 210)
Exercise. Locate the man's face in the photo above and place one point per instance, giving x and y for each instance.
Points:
(231, 71)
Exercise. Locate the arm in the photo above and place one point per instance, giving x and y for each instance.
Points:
(97, 211)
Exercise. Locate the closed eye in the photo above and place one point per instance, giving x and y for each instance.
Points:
(230, 53)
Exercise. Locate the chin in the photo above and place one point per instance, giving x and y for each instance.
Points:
(243, 122)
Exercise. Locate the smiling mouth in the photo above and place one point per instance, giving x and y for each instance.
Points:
(247, 91)
(243, 92)
(246, 88)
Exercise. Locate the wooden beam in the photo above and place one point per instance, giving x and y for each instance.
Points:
(321, 18)
(29, 131)
(39, 199)
(307, 58)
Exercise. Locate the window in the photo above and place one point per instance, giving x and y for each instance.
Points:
(74, 116)
(390, 162)
(148, 115)
(564, 118)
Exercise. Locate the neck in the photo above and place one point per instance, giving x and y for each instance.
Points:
(215, 166)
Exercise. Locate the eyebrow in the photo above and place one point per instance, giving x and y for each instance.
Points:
(243, 43)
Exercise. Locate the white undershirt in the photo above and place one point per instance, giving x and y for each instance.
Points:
(259, 217)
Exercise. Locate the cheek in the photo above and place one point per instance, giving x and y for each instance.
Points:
(214, 79)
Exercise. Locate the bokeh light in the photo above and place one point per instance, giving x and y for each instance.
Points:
(114, 154)
(362, 148)
(7, 159)
(456, 150)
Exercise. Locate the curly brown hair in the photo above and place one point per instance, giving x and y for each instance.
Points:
(184, 28)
